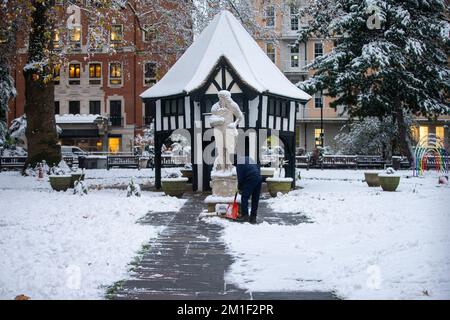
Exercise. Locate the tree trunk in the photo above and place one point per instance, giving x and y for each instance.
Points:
(403, 136)
(39, 91)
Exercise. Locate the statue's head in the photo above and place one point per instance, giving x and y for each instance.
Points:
(224, 95)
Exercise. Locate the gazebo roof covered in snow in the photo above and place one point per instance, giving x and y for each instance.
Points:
(224, 38)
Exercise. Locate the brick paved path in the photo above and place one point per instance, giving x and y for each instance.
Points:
(188, 259)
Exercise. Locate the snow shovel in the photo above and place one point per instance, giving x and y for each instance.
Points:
(233, 209)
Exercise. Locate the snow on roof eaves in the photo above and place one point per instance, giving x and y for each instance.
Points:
(225, 37)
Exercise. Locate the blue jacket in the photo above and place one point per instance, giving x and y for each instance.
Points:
(247, 170)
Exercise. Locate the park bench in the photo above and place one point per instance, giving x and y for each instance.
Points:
(302, 162)
(338, 162)
(121, 161)
(12, 163)
(373, 162)
(173, 161)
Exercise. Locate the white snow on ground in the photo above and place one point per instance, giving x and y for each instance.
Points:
(364, 243)
(63, 246)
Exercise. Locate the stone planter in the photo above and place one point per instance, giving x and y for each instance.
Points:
(143, 163)
(372, 179)
(75, 177)
(187, 173)
(275, 185)
(60, 183)
(389, 182)
(174, 187)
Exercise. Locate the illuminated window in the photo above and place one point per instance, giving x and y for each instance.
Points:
(56, 39)
(115, 73)
(440, 132)
(74, 73)
(116, 33)
(270, 51)
(114, 145)
(318, 136)
(149, 73)
(423, 132)
(75, 37)
(270, 16)
(294, 55)
(415, 133)
(95, 73)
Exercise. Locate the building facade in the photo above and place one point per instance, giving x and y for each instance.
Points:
(291, 57)
(103, 80)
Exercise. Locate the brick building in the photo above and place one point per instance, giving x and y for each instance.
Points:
(104, 81)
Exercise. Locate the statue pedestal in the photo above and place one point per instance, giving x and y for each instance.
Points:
(224, 186)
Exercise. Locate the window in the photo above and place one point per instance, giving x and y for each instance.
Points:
(318, 49)
(270, 51)
(284, 108)
(95, 73)
(116, 35)
(319, 136)
(173, 107)
(440, 132)
(95, 39)
(277, 108)
(294, 17)
(57, 73)
(56, 107)
(94, 107)
(74, 107)
(115, 73)
(149, 73)
(423, 132)
(74, 73)
(75, 37)
(271, 107)
(149, 33)
(270, 16)
(318, 100)
(115, 113)
(295, 55)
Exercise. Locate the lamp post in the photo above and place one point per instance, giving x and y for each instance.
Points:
(321, 122)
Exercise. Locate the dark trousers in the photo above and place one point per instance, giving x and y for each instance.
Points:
(250, 188)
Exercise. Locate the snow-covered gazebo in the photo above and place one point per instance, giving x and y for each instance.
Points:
(223, 57)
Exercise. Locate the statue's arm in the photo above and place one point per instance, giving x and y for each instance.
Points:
(237, 113)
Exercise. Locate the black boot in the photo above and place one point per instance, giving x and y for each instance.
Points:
(252, 219)
(243, 218)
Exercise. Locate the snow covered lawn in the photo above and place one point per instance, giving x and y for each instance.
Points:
(364, 243)
(63, 246)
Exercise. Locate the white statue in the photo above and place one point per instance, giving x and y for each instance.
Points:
(225, 132)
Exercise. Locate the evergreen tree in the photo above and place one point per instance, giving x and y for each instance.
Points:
(389, 59)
